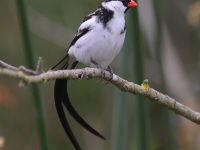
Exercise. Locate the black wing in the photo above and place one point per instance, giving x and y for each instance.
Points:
(79, 34)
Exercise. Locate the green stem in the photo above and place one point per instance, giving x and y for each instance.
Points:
(120, 122)
(30, 62)
(168, 138)
(120, 110)
(141, 120)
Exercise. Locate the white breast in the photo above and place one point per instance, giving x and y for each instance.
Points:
(100, 44)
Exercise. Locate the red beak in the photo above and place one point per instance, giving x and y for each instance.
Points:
(132, 4)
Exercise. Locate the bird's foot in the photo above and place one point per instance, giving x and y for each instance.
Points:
(109, 69)
(100, 67)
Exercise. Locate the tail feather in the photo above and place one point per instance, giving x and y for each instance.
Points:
(62, 64)
(61, 96)
(76, 116)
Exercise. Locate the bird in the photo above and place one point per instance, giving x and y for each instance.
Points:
(97, 42)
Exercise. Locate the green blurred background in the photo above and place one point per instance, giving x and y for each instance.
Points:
(162, 45)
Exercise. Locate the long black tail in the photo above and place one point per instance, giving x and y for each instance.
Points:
(77, 117)
(61, 96)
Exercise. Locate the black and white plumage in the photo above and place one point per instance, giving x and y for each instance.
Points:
(98, 41)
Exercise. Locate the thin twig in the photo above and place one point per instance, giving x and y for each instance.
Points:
(39, 65)
(22, 68)
(5, 65)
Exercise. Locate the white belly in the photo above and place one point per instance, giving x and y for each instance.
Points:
(101, 47)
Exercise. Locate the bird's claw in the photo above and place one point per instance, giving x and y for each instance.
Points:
(109, 69)
(102, 74)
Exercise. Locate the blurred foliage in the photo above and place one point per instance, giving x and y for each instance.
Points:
(30, 61)
(53, 25)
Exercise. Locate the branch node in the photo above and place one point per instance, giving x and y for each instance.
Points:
(39, 68)
(22, 84)
(145, 84)
(174, 107)
(80, 75)
(126, 87)
(155, 96)
(27, 71)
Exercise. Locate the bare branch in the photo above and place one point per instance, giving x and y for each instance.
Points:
(88, 73)
(21, 68)
(4, 65)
